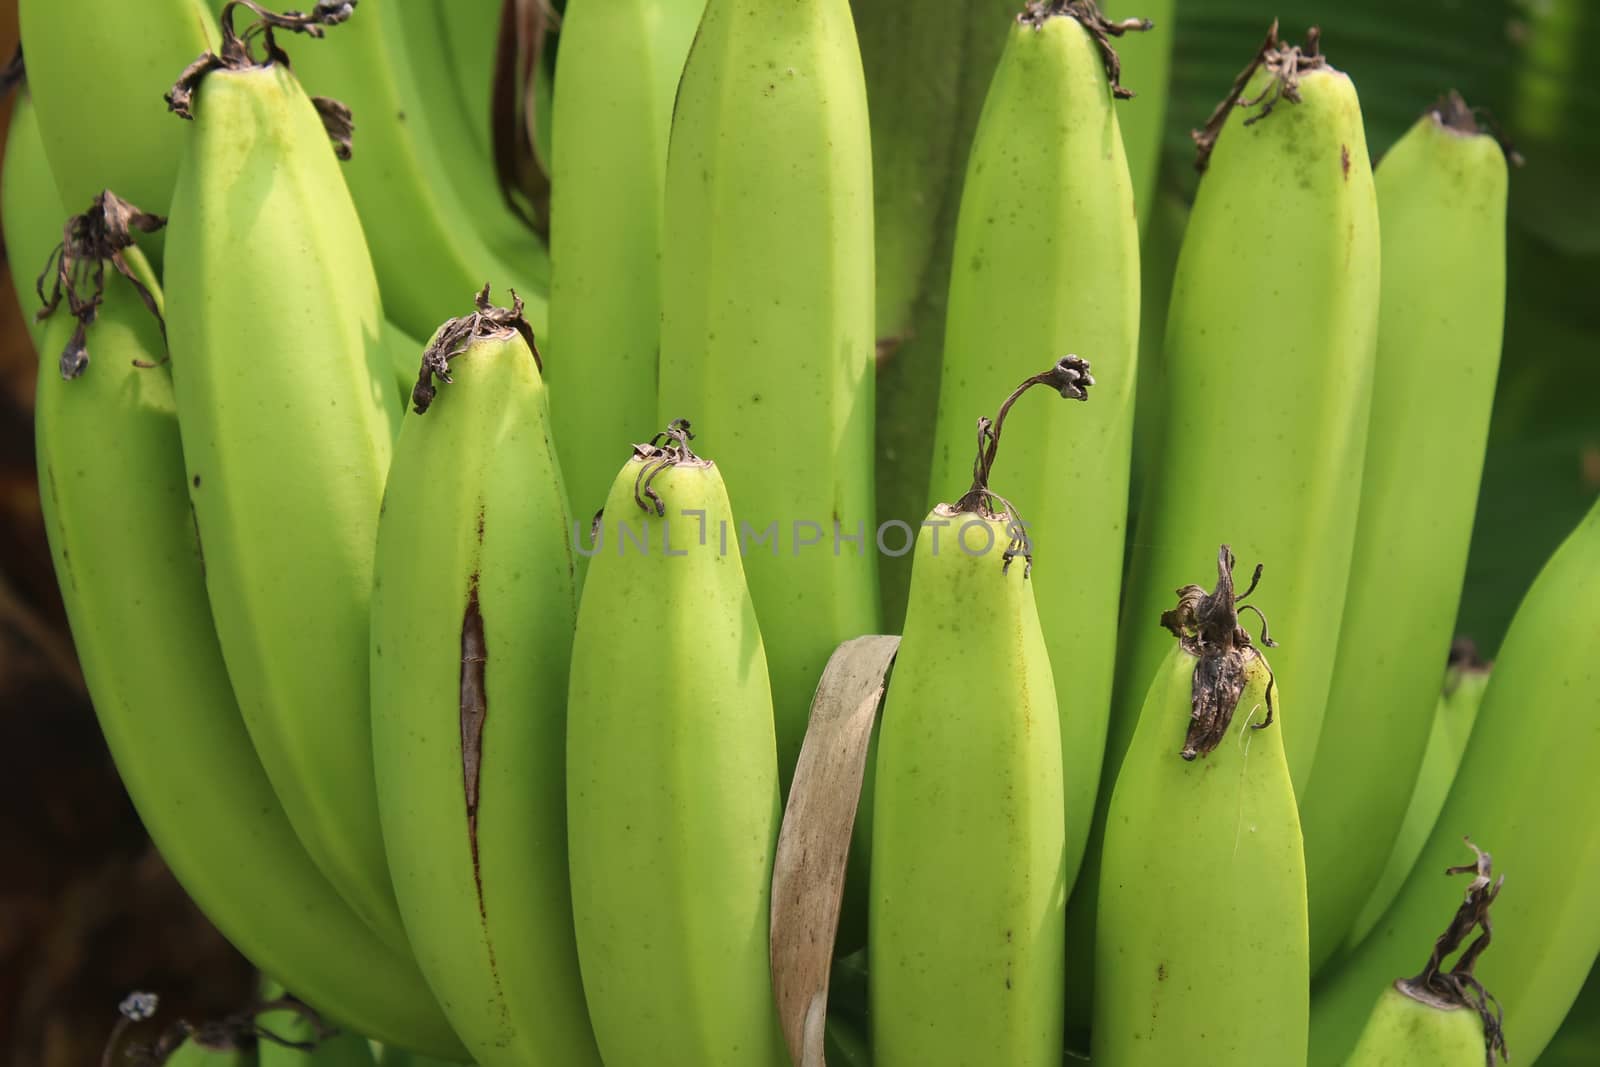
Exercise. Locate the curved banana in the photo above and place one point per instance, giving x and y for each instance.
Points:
(422, 31)
(96, 72)
(1526, 783)
(1147, 70)
(1276, 294)
(288, 402)
(426, 244)
(1048, 139)
(405, 355)
(1465, 683)
(472, 616)
(767, 317)
(31, 214)
(619, 69)
(1442, 196)
(1201, 946)
(122, 536)
(672, 776)
(913, 119)
(472, 35)
(968, 887)
(1442, 1017)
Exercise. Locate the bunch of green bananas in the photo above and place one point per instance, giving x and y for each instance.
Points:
(463, 682)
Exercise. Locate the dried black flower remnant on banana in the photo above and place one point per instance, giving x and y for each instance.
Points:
(1207, 625)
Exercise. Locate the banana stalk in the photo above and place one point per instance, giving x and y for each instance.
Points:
(288, 410)
(968, 850)
(96, 73)
(1201, 948)
(619, 70)
(122, 537)
(472, 614)
(1526, 783)
(1273, 312)
(1457, 709)
(1047, 224)
(1442, 196)
(767, 317)
(1441, 1017)
(30, 210)
(672, 776)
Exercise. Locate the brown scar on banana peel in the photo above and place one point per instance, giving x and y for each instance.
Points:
(1207, 626)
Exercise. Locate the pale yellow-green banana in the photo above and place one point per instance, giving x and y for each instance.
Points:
(672, 776)
(1442, 1017)
(619, 69)
(426, 244)
(122, 537)
(1457, 710)
(1442, 198)
(1047, 224)
(968, 890)
(1201, 946)
(968, 886)
(31, 214)
(97, 73)
(1264, 384)
(287, 405)
(472, 617)
(767, 317)
(1526, 788)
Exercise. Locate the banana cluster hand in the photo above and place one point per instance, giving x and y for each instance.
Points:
(480, 773)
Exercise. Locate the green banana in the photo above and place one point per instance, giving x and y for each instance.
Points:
(472, 615)
(96, 72)
(405, 354)
(319, 1047)
(1147, 68)
(1201, 944)
(192, 1053)
(1526, 783)
(122, 537)
(913, 129)
(1457, 709)
(426, 243)
(288, 406)
(1442, 198)
(1442, 1018)
(619, 69)
(31, 214)
(1047, 224)
(968, 884)
(472, 35)
(1295, 328)
(1577, 1043)
(422, 33)
(672, 775)
(767, 317)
